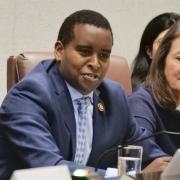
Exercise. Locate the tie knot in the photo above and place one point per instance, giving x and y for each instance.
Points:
(83, 101)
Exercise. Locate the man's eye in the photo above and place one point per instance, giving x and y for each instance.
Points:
(84, 52)
(104, 56)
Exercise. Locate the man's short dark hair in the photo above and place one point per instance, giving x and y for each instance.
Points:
(66, 32)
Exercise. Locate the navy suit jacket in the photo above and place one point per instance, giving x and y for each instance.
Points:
(150, 115)
(37, 123)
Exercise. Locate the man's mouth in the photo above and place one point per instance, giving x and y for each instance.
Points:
(90, 76)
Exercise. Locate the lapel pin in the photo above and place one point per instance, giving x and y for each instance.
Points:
(100, 107)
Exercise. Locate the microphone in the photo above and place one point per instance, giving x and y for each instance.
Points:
(114, 149)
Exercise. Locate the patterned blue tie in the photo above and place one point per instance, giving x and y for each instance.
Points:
(82, 104)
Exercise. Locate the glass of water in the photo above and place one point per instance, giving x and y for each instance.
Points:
(129, 160)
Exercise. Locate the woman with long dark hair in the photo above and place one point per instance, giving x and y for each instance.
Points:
(151, 37)
(156, 105)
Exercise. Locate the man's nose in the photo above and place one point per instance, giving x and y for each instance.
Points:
(94, 62)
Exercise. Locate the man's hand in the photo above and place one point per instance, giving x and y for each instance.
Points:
(158, 164)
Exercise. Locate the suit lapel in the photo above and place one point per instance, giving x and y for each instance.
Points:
(99, 119)
(64, 105)
(68, 117)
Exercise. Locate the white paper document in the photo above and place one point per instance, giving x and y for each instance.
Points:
(173, 169)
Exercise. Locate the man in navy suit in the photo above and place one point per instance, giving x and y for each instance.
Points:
(39, 117)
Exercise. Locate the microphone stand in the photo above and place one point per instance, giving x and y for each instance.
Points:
(114, 149)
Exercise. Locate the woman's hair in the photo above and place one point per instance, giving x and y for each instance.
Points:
(142, 61)
(156, 79)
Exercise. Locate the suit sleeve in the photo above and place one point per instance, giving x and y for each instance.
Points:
(25, 125)
(143, 118)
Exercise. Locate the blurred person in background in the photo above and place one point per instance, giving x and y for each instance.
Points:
(150, 40)
(156, 104)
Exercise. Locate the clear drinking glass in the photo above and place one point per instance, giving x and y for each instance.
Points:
(129, 160)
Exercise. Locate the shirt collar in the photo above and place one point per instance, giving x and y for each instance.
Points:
(75, 94)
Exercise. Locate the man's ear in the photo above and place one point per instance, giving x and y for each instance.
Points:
(58, 51)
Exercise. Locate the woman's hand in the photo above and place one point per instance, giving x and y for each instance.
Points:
(159, 164)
